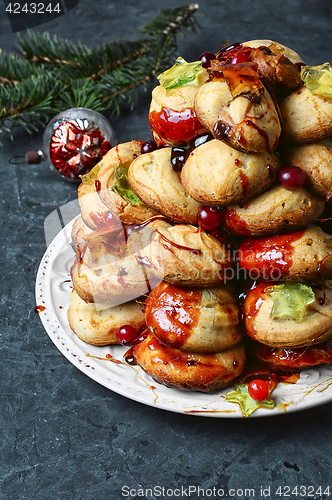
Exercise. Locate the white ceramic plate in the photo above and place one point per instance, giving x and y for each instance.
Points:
(53, 289)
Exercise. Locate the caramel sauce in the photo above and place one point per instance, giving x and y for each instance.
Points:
(252, 304)
(272, 172)
(172, 313)
(97, 217)
(98, 185)
(294, 357)
(137, 227)
(271, 256)
(179, 359)
(244, 184)
(195, 251)
(221, 130)
(144, 261)
(234, 223)
(241, 78)
(261, 132)
(129, 356)
(122, 272)
(39, 309)
(175, 126)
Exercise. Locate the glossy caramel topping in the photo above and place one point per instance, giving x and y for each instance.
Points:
(252, 304)
(234, 223)
(175, 126)
(240, 78)
(269, 256)
(294, 357)
(172, 313)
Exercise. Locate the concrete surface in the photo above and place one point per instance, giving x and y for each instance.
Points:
(64, 437)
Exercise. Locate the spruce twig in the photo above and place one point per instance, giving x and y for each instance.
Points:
(52, 74)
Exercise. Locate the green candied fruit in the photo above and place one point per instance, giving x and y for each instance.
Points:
(122, 186)
(91, 176)
(318, 79)
(290, 300)
(181, 74)
(247, 404)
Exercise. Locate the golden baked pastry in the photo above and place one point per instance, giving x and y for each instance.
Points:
(99, 326)
(190, 371)
(304, 255)
(236, 108)
(276, 211)
(315, 160)
(78, 234)
(282, 330)
(172, 117)
(216, 174)
(156, 183)
(306, 117)
(111, 283)
(93, 210)
(194, 320)
(279, 358)
(120, 155)
(182, 254)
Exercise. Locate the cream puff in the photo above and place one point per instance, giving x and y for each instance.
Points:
(294, 322)
(217, 174)
(158, 185)
(128, 209)
(293, 358)
(99, 326)
(275, 211)
(315, 160)
(181, 254)
(304, 255)
(306, 117)
(189, 371)
(172, 116)
(236, 108)
(194, 320)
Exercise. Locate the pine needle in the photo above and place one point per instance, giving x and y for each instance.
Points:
(51, 74)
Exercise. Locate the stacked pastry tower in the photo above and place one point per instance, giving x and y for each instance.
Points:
(232, 159)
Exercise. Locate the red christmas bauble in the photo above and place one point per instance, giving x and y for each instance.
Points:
(76, 140)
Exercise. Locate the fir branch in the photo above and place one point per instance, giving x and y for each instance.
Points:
(41, 47)
(81, 93)
(76, 60)
(14, 69)
(28, 103)
(53, 74)
(171, 20)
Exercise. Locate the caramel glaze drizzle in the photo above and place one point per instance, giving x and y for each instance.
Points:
(236, 76)
(195, 251)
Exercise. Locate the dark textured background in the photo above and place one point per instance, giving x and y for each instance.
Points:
(63, 435)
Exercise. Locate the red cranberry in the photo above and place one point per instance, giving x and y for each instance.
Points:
(127, 334)
(292, 177)
(206, 58)
(148, 147)
(209, 218)
(239, 58)
(258, 389)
